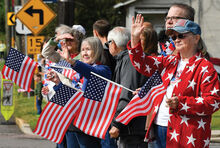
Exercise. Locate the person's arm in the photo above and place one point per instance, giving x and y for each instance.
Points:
(49, 52)
(208, 102)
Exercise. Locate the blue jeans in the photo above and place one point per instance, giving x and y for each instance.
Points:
(80, 140)
(108, 142)
(160, 134)
(38, 104)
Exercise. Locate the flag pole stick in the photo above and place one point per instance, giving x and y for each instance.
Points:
(62, 75)
(112, 82)
(98, 76)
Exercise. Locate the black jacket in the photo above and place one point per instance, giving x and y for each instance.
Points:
(126, 75)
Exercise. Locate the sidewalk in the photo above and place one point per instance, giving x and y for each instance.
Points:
(25, 128)
(215, 136)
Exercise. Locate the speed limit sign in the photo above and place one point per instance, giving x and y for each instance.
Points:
(34, 44)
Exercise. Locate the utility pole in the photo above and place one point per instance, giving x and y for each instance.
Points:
(7, 28)
(66, 12)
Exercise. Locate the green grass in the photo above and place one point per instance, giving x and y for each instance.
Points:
(25, 108)
(215, 125)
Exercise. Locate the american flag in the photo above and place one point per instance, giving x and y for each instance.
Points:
(64, 68)
(142, 103)
(98, 107)
(19, 68)
(58, 114)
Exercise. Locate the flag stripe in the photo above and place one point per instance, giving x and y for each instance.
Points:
(142, 103)
(141, 111)
(112, 110)
(19, 68)
(55, 119)
(137, 103)
(95, 117)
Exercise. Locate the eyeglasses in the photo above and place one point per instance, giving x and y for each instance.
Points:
(108, 43)
(69, 40)
(179, 36)
(173, 18)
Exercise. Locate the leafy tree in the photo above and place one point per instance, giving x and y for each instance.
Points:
(88, 11)
(2, 18)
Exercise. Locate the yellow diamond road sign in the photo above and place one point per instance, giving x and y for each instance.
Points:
(35, 15)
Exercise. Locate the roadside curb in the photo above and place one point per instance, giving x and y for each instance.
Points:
(25, 128)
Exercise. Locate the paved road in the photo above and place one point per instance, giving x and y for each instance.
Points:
(12, 137)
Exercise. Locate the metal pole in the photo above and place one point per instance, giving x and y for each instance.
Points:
(66, 12)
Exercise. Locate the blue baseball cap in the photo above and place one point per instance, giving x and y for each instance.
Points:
(185, 26)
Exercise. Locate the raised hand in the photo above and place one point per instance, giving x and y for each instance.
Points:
(136, 29)
(65, 52)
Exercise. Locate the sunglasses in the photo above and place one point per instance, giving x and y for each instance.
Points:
(179, 36)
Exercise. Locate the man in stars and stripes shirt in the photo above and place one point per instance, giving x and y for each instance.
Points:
(98, 107)
(19, 68)
(58, 113)
(143, 102)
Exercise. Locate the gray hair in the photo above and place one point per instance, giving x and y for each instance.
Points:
(78, 36)
(62, 29)
(120, 35)
(96, 46)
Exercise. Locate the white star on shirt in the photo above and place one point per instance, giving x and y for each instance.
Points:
(214, 91)
(170, 75)
(169, 117)
(204, 70)
(148, 69)
(137, 64)
(156, 62)
(201, 124)
(201, 114)
(215, 105)
(206, 79)
(199, 100)
(130, 52)
(191, 84)
(156, 108)
(207, 141)
(137, 50)
(191, 68)
(143, 55)
(174, 135)
(198, 58)
(184, 119)
(185, 107)
(191, 140)
(177, 81)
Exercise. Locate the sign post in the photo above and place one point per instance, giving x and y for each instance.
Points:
(35, 15)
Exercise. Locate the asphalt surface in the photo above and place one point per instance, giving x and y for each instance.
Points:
(12, 137)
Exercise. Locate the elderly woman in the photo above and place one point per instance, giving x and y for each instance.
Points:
(71, 37)
(182, 117)
(91, 52)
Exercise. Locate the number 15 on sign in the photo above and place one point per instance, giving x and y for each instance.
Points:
(34, 44)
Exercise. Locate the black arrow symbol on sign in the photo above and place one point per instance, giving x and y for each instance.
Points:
(30, 11)
(12, 21)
